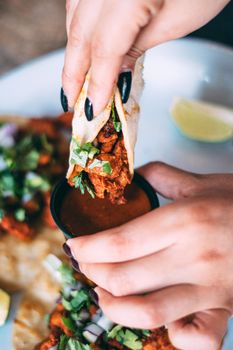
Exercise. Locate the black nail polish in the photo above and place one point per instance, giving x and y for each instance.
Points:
(64, 101)
(67, 250)
(94, 296)
(75, 265)
(124, 85)
(88, 109)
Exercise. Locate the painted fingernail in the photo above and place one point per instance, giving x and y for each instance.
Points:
(88, 108)
(75, 265)
(64, 101)
(67, 250)
(124, 85)
(94, 296)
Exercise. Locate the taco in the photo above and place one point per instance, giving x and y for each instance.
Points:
(33, 156)
(77, 322)
(102, 150)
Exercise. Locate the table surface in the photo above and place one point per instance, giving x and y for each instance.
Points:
(30, 28)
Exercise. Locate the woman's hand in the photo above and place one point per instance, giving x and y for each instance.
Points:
(172, 262)
(109, 35)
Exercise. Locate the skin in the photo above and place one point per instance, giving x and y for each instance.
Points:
(170, 263)
(107, 36)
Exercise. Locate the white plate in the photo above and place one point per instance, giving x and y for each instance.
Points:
(189, 68)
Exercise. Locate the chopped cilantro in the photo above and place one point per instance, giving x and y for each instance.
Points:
(82, 183)
(107, 168)
(116, 122)
(2, 213)
(75, 344)
(80, 298)
(30, 161)
(63, 342)
(125, 337)
(7, 185)
(104, 164)
(80, 158)
(36, 182)
(77, 300)
(20, 214)
(81, 153)
(146, 332)
(69, 323)
(67, 274)
(45, 144)
(112, 334)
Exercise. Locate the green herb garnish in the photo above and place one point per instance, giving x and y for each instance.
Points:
(81, 153)
(104, 164)
(63, 342)
(2, 213)
(75, 344)
(81, 182)
(20, 214)
(67, 274)
(125, 337)
(116, 122)
(36, 182)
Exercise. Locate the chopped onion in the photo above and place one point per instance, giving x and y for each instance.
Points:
(92, 332)
(105, 323)
(7, 133)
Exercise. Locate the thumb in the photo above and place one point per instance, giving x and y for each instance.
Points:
(205, 330)
(169, 181)
(175, 183)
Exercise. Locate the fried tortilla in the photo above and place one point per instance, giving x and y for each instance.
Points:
(21, 260)
(102, 150)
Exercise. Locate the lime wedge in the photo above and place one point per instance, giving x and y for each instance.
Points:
(4, 306)
(202, 121)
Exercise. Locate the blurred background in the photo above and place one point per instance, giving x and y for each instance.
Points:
(30, 28)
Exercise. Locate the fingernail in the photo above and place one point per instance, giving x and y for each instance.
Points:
(88, 108)
(124, 85)
(94, 296)
(67, 250)
(75, 265)
(64, 101)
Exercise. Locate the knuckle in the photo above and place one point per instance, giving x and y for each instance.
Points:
(69, 79)
(99, 50)
(120, 241)
(75, 39)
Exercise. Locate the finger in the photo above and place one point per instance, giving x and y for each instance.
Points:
(143, 275)
(71, 6)
(167, 26)
(161, 229)
(158, 308)
(204, 331)
(78, 50)
(175, 183)
(109, 48)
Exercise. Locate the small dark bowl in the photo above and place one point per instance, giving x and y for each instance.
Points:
(62, 187)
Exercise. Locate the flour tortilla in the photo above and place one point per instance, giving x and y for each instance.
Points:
(86, 131)
(23, 270)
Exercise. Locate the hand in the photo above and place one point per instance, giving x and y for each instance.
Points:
(109, 36)
(172, 262)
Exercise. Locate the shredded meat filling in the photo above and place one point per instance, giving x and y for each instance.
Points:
(112, 149)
